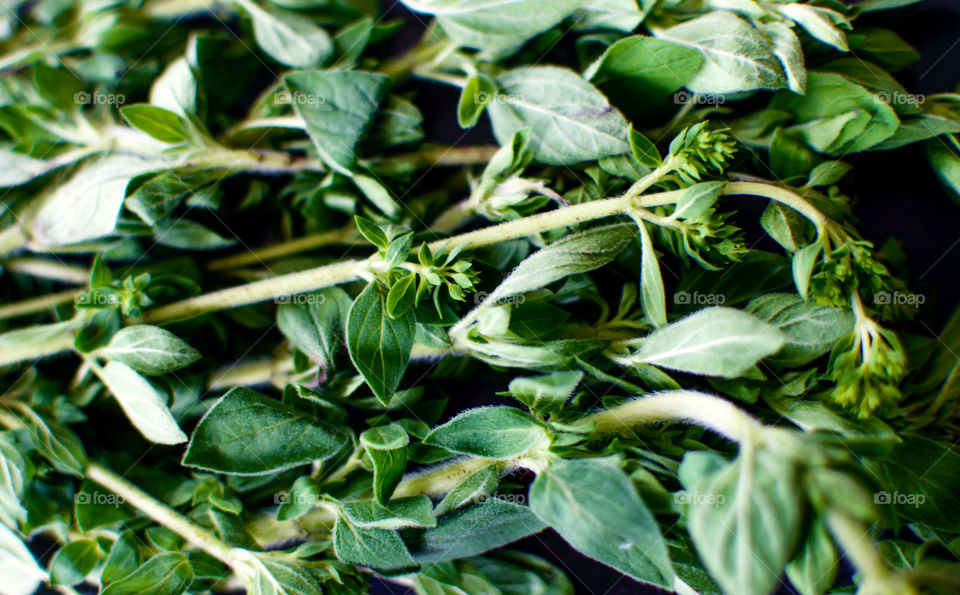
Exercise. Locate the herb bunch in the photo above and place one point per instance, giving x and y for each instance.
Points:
(243, 294)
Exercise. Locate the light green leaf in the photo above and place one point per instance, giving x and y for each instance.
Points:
(288, 37)
(149, 349)
(593, 505)
(470, 531)
(546, 394)
(786, 47)
(570, 120)
(494, 25)
(387, 448)
(786, 226)
(400, 513)
(472, 490)
(814, 571)
(811, 329)
(74, 561)
(314, 323)
(820, 23)
(189, 235)
(167, 572)
(175, 89)
(736, 56)
(474, 98)
(618, 15)
(652, 295)
(644, 69)
(337, 107)
(491, 432)
(160, 123)
(713, 341)
(246, 433)
(946, 164)
(743, 516)
(381, 549)
(17, 168)
(144, 405)
(13, 476)
(802, 265)
(379, 345)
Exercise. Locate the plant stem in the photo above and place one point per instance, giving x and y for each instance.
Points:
(38, 304)
(12, 239)
(39, 267)
(855, 540)
(781, 195)
(258, 291)
(708, 411)
(309, 242)
(161, 513)
(18, 352)
(454, 217)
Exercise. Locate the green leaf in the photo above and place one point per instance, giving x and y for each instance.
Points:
(838, 116)
(802, 265)
(74, 561)
(167, 572)
(697, 200)
(472, 490)
(491, 432)
(149, 349)
(14, 474)
(644, 69)
(471, 531)
(786, 47)
(546, 395)
(946, 164)
(176, 88)
(381, 549)
(713, 342)
(288, 37)
(57, 443)
(743, 516)
(595, 508)
(814, 571)
(399, 514)
(189, 235)
(652, 295)
(811, 330)
(370, 230)
(494, 26)
(97, 507)
(144, 405)
(337, 108)
(314, 323)
(17, 168)
(820, 23)
(474, 98)
(279, 575)
(161, 124)
(787, 227)
(575, 253)
(86, 205)
(245, 433)
(643, 150)
(398, 250)
(570, 120)
(402, 296)
(387, 448)
(379, 345)
(736, 56)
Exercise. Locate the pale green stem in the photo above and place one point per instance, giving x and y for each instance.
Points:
(708, 411)
(195, 535)
(39, 267)
(12, 239)
(13, 353)
(855, 540)
(303, 244)
(37, 304)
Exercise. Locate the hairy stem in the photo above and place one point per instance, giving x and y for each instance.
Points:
(195, 535)
(303, 244)
(708, 411)
(47, 269)
(37, 304)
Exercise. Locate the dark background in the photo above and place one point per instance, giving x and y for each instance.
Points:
(898, 196)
